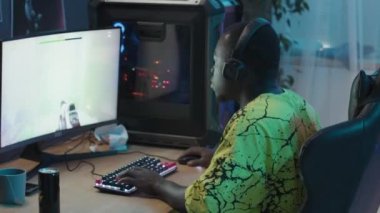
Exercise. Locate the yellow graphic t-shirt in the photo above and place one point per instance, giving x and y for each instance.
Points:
(255, 168)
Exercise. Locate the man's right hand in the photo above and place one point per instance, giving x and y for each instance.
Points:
(204, 159)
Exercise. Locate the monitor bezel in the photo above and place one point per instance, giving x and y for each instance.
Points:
(60, 135)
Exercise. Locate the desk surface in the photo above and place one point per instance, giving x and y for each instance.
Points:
(77, 193)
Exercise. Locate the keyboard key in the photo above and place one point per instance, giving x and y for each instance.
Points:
(108, 183)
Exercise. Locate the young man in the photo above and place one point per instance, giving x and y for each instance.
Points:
(255, 167)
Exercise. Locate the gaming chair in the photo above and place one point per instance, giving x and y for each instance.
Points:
(340, 164)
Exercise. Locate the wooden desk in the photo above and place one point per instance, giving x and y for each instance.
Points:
(77, 193)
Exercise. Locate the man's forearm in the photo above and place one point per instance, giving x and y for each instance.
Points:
(171, 193)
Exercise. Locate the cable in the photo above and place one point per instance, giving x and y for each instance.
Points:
(83, 138)
(85, 162)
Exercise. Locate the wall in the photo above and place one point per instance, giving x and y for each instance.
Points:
(333, 41)
(76, 16)
(5, 27)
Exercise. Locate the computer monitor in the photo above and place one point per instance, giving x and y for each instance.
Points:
(58, 85)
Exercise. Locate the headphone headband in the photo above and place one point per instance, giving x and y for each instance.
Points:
(249, 30)
(234, 68)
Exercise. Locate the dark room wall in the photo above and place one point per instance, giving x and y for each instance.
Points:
(76, 15)
(5, 19)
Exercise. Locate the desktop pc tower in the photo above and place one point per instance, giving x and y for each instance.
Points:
(167, 49)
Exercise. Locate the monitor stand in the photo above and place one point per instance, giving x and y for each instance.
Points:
(44, 153)
(32, 152)
(27, 158)
(77, 148)
(63, 151)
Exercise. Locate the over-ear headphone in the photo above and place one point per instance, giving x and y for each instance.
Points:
(234, 67)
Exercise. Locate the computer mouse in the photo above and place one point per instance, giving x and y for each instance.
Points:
(183, 160)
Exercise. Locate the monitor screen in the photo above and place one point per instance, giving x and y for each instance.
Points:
(57, 84)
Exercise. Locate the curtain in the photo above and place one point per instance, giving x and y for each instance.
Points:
(332, 42)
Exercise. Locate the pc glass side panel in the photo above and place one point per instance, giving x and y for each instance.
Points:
(162, 70)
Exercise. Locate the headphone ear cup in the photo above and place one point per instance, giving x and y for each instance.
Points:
(228, 72)
(233, 69)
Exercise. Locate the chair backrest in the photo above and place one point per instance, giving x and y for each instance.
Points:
(367, 198)
(334, 161)
(360, 90)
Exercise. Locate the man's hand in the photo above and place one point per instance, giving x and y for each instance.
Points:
(144, 179)
(205, 155)
(150, 184)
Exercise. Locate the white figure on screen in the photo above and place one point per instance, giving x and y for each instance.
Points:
(62, 116)
(73, 116)
(68, 117)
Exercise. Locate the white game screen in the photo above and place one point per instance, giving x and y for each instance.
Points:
(57, 82)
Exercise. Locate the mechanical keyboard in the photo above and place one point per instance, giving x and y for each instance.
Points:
(108, 183)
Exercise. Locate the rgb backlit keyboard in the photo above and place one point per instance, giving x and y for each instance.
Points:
(108, 183)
